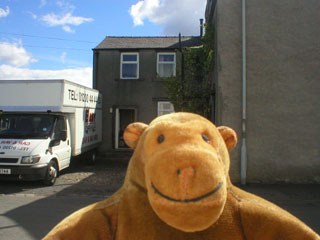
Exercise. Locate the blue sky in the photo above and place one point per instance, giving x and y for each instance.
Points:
(49, 39)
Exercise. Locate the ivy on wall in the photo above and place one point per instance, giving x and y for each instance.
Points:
(190, 89)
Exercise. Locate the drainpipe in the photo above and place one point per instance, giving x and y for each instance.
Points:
(243, 159)
(182, 68)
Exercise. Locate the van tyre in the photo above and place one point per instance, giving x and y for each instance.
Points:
(52, 173)
(91, 157)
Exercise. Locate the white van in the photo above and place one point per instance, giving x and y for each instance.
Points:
(43, 124)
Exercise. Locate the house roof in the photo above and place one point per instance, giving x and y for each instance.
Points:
(148, 42)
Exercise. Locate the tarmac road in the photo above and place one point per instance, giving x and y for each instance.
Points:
(28, 210)
(31, 217)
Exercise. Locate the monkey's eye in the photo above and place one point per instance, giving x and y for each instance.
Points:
(205, 138)
(160, 138)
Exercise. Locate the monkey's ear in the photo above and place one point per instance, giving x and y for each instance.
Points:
(229, 136)
(133, 132)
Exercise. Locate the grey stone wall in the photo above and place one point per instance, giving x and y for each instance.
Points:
(141, 94)
(283, 87)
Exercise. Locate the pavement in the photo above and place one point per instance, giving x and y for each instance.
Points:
(301, 200)
(29, 211)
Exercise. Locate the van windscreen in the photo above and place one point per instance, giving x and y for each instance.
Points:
(17, 126)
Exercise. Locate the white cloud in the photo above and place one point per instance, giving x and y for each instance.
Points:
(65, 6)
(34, 16)
(174, 15)
(143, 9)
(53, 20)
(81, 76)
(43, 3)
(4, 13)
(63, 57)
(68, 29)
(14, 54)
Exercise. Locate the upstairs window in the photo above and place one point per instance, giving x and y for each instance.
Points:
(129, 66)
(165, 108)
(166, 66)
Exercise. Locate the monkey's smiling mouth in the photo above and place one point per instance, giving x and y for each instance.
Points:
(187, 200)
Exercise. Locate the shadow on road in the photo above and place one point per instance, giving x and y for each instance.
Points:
(301, 200)
(12, 187)
(77, 187)
(82, 185)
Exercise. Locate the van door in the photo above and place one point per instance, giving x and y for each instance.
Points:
(63, 147)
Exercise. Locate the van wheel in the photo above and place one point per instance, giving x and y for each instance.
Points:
(52, 173)
(91, 157)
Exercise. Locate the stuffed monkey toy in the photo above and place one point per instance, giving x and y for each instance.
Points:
(177, 187)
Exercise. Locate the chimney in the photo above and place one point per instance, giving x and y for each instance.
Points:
(201, 27)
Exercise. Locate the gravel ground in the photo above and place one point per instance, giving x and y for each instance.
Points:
(104, 178)
(99, 180)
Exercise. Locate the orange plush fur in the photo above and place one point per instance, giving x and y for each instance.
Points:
(177, 187)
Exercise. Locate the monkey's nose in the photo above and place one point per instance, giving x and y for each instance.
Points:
(186, 176)
(185, 172)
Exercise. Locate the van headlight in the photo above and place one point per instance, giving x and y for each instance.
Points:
(30, 159)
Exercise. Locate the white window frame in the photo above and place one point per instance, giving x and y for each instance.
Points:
(162, 111)
(129, 62)
(164, 62)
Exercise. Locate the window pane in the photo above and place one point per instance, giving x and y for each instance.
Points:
(166, 70)
(129, 70)
(165, 108)
(166, 58)
(60, 125)
(129, 57)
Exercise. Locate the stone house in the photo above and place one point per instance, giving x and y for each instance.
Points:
(125, 71)
(267, 83)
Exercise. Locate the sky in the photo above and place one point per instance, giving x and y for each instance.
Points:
(53, 39)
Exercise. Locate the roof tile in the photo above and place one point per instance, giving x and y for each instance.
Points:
(148, 42)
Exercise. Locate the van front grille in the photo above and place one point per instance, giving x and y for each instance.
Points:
(9, 160)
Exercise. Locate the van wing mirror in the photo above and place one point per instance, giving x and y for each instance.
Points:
(54, 142)
(61, 135)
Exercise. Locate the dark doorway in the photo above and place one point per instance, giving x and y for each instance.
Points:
(124, 116)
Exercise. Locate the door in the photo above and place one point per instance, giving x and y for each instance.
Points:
(62, 135)
(124, 116)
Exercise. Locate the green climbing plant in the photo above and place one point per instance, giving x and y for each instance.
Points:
(190, 89)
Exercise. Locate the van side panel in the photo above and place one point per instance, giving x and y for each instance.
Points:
(27, 96)
(88, 125)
